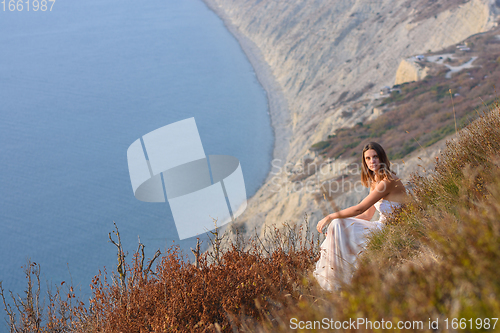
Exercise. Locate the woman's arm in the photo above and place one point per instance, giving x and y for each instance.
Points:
(381, 190)
(368, 214)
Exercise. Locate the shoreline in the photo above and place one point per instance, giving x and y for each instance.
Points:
(276, 102)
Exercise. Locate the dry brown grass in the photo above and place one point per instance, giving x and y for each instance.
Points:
(228, 287)
(438, 257)
(182, 298)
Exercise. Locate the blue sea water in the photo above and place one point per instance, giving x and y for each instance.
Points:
(78, 85)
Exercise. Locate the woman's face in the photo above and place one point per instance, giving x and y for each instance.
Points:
(372, 160)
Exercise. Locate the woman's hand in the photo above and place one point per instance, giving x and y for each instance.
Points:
(323, 223)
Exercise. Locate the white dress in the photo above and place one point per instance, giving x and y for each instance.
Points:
(345, 239)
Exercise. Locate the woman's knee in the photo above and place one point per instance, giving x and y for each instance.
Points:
(333, 225)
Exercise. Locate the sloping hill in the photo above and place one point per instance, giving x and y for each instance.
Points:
(330, 59)
(433, 268)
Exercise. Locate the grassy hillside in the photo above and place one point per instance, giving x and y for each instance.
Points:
(426, 111)
(438, 257)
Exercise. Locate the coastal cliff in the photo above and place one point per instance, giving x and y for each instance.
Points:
(408, 71)
(326, 63)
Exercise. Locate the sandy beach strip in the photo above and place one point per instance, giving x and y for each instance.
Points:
(277, 104)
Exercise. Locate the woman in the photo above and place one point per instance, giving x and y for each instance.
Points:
(349, 228)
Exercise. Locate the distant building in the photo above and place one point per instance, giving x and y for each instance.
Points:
(385, 90)
(463, 47)
(377, 111)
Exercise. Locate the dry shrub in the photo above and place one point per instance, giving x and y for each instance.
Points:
(64, 313)
(179, 297)
(226, 288)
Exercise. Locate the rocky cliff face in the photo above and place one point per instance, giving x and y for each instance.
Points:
(330, 58)
(409, 70)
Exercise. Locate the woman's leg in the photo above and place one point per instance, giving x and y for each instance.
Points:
(344, 240)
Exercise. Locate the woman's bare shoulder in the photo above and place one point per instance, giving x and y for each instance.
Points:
(394, 178)
(398, 192)
(396, 182)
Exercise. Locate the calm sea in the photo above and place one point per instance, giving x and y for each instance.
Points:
(78, 85)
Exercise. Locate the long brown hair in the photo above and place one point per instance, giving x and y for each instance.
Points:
(368, 176)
